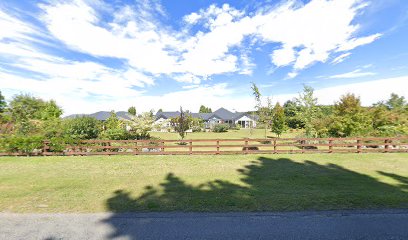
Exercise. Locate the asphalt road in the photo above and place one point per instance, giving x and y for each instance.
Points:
(387, 224)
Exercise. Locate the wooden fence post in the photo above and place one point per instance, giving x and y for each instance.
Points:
(246, 146)
(358, 145)
(330, 145)
(218, 146)
(274, 146)
(386, 145)
(46, 147)
(162, 149)
(191, 147)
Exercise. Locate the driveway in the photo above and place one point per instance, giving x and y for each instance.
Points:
(385, 224)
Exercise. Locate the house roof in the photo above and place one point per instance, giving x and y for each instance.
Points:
(221, 113)
(102, 115)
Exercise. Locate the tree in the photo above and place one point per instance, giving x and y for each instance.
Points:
(278, 122)
(3, 103)
(51, 111)
(25, 107)
(182, 123)
(308, 110)
(204, 109)
(83, 128)
(140, 125)
(132, 111)
(350, 118)
(113, 121)
(264, 112)
(396, 102)
(293, 120)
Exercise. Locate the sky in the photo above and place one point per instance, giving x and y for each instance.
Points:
(95, 55)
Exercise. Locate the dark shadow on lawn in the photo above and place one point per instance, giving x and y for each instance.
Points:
(268, 185)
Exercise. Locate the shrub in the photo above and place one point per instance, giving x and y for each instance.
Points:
(83, 128)
(59, 144)
(221, 127)
(196, 129)
(21, 144)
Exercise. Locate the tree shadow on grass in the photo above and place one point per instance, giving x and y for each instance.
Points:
(267, 185)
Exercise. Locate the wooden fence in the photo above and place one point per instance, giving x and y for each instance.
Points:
(227, 146)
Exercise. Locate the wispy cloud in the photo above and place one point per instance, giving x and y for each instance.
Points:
(341, 58)
(353, 74)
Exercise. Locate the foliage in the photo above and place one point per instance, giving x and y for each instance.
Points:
(83, 128)
(278, 122)
(389, 122)
(182, 123)
(197, 124)
(27, 111)
(59, 144)
(265, 113)
(21, 144)
(204, 109)
(350, 119)
(3, 103)
(396, 102)
(308, 110)
(140, 125)
(221, 127)
(293, 119)
(50, 110)
(132, 111)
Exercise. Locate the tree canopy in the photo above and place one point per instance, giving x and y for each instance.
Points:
(204, 109)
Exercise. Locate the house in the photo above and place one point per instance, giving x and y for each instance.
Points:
(222, 115)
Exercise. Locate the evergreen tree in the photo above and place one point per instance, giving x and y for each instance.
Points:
(278, 122)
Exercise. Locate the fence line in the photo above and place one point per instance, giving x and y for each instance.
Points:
(226, 146)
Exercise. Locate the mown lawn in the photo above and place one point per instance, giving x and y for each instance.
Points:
(231, 134)
(203, 183)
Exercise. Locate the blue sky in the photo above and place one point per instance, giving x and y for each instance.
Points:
(92, 55)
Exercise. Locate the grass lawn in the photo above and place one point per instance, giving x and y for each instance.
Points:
(231, 134)
(203, 183)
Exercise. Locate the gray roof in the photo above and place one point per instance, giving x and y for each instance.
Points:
(221, 113)
(167, 115)
(102, 115)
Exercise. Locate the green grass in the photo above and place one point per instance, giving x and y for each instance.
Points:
(203, 183)
(231, 134)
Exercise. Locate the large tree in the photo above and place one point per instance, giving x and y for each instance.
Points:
(350, 118)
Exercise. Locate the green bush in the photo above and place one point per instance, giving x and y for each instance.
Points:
(59, 144)
(83, 128)
(21, 144)
(222, 127)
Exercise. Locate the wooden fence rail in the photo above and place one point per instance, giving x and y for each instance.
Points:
(226, 146)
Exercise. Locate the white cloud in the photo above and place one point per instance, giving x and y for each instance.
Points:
(147, 48)
(353, 74)
(341, 58)
(308, 34)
